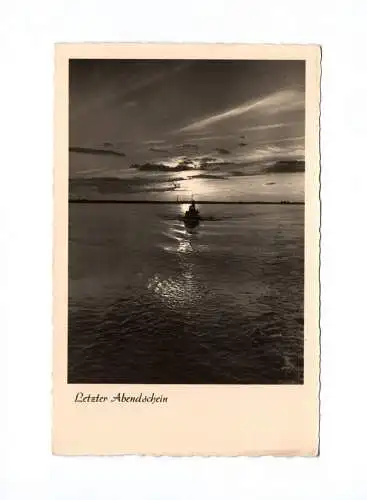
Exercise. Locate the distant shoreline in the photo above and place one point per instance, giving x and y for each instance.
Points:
(198, 202)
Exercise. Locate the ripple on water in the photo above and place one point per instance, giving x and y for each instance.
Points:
(222, 304)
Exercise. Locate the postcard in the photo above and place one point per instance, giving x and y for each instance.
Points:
(186, 249)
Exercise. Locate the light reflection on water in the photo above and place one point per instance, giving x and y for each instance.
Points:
(176, 292)
(182, 289)
(187, 240)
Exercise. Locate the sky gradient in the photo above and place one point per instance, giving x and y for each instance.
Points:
(158, 129)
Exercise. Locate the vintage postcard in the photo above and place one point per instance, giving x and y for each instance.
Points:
(186, 249)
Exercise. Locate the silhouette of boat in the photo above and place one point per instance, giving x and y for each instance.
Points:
(192, 216)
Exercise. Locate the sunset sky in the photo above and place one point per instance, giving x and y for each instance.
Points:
(215, 129)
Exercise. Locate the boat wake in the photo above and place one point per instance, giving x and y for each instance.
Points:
(193, 217)
(182, 218)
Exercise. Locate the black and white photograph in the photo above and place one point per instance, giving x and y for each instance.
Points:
(186, 221)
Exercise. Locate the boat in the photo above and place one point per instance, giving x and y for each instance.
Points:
(192, 216)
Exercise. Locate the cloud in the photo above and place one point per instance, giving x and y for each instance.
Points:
(286, 166)
(116, 91)
(283, 100)
(291, 148)
(156, 189)
(207, 159)
(158, 150)
(187, 148)
(200, 138)
(160, 141)
(95, 151)
(299, 139)
(115, 186)
(161, 167)
(222, 151)
(209, 176)
(256, 128)
(187, 145)
(238, 173)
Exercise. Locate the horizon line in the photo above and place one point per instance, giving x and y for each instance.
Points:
(202, 202)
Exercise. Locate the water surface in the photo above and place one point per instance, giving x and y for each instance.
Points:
(151, 302)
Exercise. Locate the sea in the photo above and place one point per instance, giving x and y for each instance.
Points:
(152, 302)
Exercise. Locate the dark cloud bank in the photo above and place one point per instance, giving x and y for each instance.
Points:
(166, 183)
(96, 151)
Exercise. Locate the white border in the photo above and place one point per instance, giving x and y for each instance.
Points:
(212, 419)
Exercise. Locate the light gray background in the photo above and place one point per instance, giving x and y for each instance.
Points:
(28, 31)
